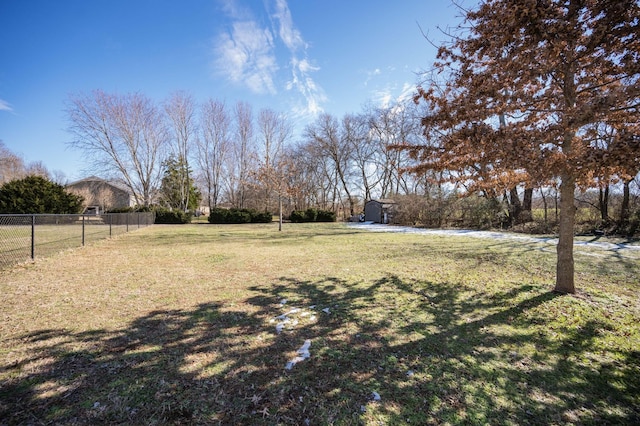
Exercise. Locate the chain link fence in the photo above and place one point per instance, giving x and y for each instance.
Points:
(29, 236)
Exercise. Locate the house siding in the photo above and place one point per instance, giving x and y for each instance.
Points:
(101, 194)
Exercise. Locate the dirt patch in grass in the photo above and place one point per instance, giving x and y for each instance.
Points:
(197, 324)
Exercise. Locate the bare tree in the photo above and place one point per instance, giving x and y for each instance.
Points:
(240, 165)
(213, 147)
(37, 168)
(273, 166)
(329, 138)
(274, 131)
(389, 127)
(122, 135)
(364, 153)
(11, 165)
(310, 184)
(181, 110)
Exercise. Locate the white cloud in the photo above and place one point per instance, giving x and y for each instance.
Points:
(383, 97)
(4, 106)
(407, 92)
(290, 36)
(301, 66)
(302, 82)
(245, 55)
(305, 66)
(390, 95)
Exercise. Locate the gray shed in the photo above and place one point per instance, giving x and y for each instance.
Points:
(379, 211)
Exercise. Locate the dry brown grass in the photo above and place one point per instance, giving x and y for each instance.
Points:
(177, 324)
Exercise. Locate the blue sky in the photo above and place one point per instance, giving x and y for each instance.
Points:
(300, 57)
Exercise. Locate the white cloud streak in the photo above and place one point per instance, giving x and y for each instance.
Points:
(388, 96)
(301, 67)
(5, 106)
(290, 36)
(246, 55)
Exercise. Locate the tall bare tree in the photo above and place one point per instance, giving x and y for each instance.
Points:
(310, 183)
(273, 166)
(121, 135)
(363, 153)
(243, 150)
(274, 132)
(329, 138)
(213, 147)
(391, 126)
(552, 67)
(181, 110)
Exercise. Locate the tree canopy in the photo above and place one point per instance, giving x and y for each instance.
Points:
(35, 195)
(123, 135)
(176, 179)
(518, 93)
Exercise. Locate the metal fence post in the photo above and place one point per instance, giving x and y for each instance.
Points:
(33, 237)
(110, 222)
(83, 230)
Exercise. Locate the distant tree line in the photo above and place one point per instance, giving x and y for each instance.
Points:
(14, 167)
(239, 159)
(182, 153)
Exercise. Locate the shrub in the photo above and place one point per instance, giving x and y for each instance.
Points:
(139, 209)
(297, 216)
(480, 212)
(312, 215)
(426, 211)
(326, 216)
(261, 217)
(121, 210)
(219, 215)
(630, 227)
(239, 216)
(35, 194)
(165, 216)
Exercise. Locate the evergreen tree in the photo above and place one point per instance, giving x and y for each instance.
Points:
(176, 174)
(35, 194)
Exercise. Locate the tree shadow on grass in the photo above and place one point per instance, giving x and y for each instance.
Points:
(248, 232)
(432, 354)
(603, 259)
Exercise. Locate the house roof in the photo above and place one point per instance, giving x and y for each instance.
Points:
(96, 179)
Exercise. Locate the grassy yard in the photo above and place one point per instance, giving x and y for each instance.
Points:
(317, 324)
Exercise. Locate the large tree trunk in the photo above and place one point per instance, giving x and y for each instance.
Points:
(544, 201)
(565, 266)
(527, 200)
(603, 204)
(624, 207)
(515, 207)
